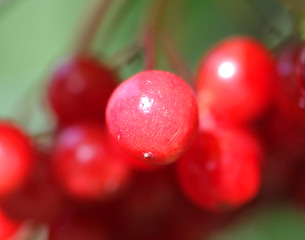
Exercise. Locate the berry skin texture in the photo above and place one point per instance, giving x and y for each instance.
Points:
(221, 170)
(79, 90)
(235, 78)
(153, 116)
(16, 158)
(85, 165)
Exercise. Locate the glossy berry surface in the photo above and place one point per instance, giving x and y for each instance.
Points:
(16, 158)
(221, 170)
(153, 116)
(79, 90)
(235, 78)
(85, 165)
(8, 226)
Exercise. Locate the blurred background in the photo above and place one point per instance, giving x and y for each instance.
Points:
(35, 34)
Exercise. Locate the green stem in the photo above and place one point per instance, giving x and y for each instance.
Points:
(90, 27)
(175, 58)
(150, 33)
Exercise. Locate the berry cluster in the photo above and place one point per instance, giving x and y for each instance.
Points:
(151, 158)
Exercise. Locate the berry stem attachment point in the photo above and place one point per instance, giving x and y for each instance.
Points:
(151, 28)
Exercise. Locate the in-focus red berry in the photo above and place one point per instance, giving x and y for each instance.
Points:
(235, 78)
(39, 198)
(153, 116)
(8, 227)
(16, 158)
(221, 170)
(79, 90)
(134, 163)
(85, 164)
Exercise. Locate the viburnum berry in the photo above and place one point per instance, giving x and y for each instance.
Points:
(8, 228)
(39, 198)
(235, 78)
(289, 97)
(85, 165)
(79, 90)
(143, 210)
(16, 158)
(153, 116)
(76, 226)
(221, 170)
(134, 163)
(299, 67)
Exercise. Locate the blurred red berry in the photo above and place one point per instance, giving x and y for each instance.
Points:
(235, 78)
(289, 97)
(221, 170)
(77, 227)
(8, 227)
(39, 198)
(79, 90)
(300, 69)
(85, 164)
(16, 158)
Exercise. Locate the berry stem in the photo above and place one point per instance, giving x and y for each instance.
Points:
(175, 58)
(43, 135)
(87, 34)
(126, 55)
(149, 49)
(150, 33)
(28, 103)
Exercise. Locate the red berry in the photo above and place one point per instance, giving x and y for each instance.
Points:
(235, 78)
(8, 227)
(289, 97)
(153, 116)
(15, 158)
(77, 227)
(79, 90)
(300, 68)
(85, 165)
(39, 199)
(132, 162)
(221, 170)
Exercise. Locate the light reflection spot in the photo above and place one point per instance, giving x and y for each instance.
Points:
(226, 70)
(145, 104)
